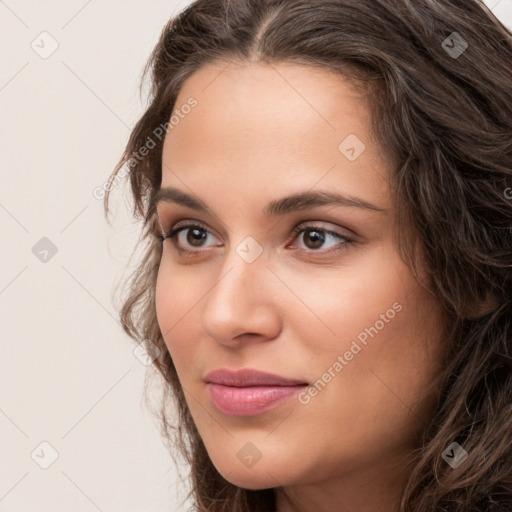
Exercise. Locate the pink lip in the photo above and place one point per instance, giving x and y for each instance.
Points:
(248, 392)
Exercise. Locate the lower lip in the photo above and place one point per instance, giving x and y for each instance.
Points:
(250, 401)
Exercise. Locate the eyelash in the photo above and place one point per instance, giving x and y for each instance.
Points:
(345, 240)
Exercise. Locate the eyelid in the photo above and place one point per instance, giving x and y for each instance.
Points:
(184, 225)
(189, 223)
(317, 224)
(343, 239)
(182, 222)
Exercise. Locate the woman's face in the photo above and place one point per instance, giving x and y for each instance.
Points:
(332, 306)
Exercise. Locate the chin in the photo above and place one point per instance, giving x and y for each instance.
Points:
(251, 478)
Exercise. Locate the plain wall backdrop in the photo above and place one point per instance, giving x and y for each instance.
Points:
(74, 435)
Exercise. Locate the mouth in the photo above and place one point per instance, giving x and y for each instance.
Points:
(249, 392)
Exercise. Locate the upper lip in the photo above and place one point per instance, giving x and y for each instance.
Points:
(248, 377)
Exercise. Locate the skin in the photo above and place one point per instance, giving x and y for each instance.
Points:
(261, 132)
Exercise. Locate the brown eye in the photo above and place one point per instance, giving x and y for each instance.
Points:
(315, 237)
(186, 237)
(195, 236)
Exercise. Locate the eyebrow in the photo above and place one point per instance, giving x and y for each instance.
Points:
(277, 207)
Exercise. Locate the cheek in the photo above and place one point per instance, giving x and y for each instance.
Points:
(177, 300)
(170, 300)
(164, 303)
(351, 298)
(387, 329)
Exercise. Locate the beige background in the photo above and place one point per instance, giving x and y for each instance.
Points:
(68, 374)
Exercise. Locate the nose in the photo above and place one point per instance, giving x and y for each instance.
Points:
(241, 308)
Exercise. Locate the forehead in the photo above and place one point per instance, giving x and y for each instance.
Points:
(279, 123)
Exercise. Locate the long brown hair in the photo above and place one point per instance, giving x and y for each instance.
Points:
(438, 75)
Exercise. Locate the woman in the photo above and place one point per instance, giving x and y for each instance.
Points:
(323, 188)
